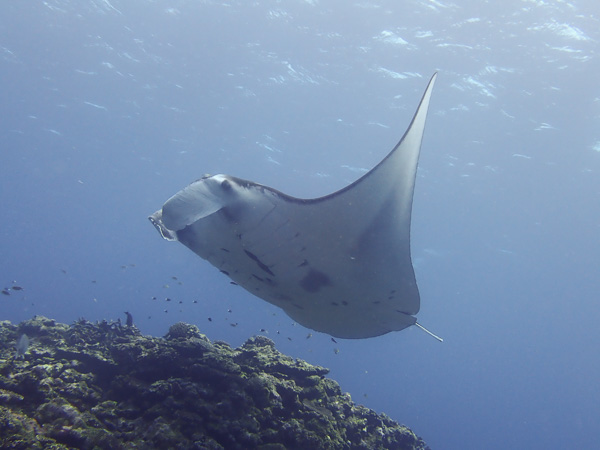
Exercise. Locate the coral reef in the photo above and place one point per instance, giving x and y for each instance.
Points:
(104, 385)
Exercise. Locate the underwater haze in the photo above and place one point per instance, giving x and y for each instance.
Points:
(108, 108)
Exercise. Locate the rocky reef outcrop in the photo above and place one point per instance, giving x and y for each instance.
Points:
(104, 385)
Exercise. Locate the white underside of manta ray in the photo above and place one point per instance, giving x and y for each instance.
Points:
(339, 264)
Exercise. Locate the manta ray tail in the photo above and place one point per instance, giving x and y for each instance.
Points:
(429, 332)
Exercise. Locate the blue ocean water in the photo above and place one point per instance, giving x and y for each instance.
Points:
(110, 107)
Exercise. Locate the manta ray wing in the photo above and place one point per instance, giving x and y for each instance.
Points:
(339, 264)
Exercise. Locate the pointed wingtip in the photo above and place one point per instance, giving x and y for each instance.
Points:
(430, 84)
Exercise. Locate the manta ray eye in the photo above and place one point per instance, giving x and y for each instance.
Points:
(226, 185)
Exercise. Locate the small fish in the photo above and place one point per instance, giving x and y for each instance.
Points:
(316, 408)
(333, 340)
(210, 319)
(195, 301)
(289, 338)
(235, 324)
(263, 330)
(233, 282)
(17, 288)
(336, 350)
(309, 335)
(129, 321)
(22, 346)
(5, 291)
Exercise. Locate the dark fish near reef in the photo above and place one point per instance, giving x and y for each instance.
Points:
(129, 321)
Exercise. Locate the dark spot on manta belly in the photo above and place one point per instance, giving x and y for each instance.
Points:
(261, 264)
(314, 281)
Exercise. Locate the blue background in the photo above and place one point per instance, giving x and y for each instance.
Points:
(110, 107)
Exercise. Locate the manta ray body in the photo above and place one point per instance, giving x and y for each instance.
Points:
(339, 264)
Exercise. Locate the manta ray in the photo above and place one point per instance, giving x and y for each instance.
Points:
(338, 264)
